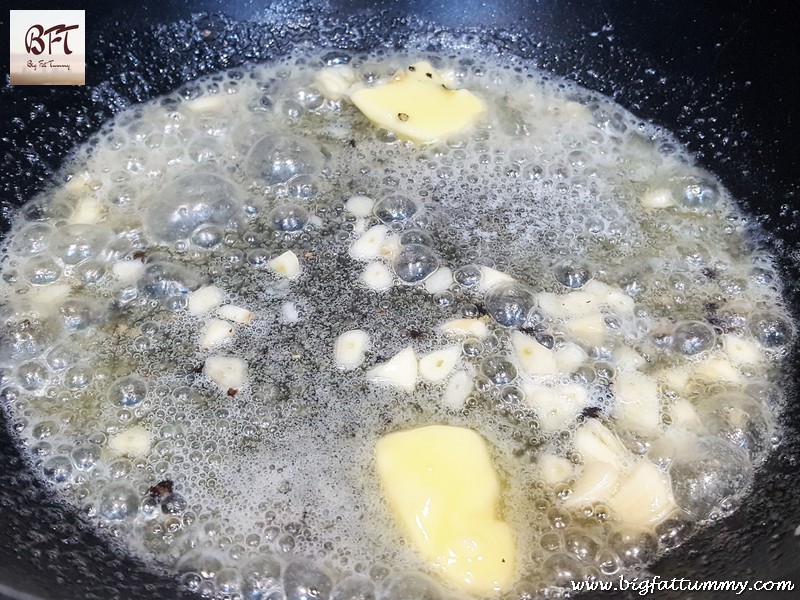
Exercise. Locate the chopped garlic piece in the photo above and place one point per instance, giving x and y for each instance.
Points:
(718, 369)
(589, 329)
(595, 441)
(418, 105)
(468, 327)
(439, 281)
(684, 415)
(458, 390)
(644, 496)
(286, 265)
(533, 357)
(207, 103)
(237, 314)
(134, 441)
(128, 271)
(638, 402)
(377, 276)
(360, 206)
(399, 371)
(204, 299)
(335, 82)
(741, 350)
(437, 365)
(554, 469)
(348, 352)
(88, 211)
(657, 198)
(228, 372)
(47, 298)
(556, 406)
(569, 357)
(442, 488)
(217, 332)
(368, 246)
(595, 484)
(628, 359)
(492, 277)
(289, 312)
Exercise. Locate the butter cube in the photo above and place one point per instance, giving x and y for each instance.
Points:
(418, 105)
(442, 488)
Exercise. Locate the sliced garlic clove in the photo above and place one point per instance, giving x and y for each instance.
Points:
(644, 497)
(204, 299)
(458, 390)
(534, 358)
(596, 442)
(134, 441)
(595, 483)
(349, 349)
(492, 277)
(286, 265)
(437, 365)
(399, 371)
(377, 276)
(228, 372)
(217, 332)
(554, 469)
(237, 314)
(368, 246)
(468, 327)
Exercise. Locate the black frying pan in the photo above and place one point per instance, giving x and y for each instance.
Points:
(723, 75)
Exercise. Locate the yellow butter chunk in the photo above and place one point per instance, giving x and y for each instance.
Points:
(418, 105)
(441, 486)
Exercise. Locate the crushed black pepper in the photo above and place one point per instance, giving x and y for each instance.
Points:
(402, 116)
(162, 488)
(412, 68)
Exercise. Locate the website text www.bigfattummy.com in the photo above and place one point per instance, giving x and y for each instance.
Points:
(656, 584)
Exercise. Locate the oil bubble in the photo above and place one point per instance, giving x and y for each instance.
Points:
(288, 217)
(693, 337)
(415, 262)
(304, 580)
(118, 502)
(58, 469)
(189, 202)
(509, 304)
(278, 158)
(395, 208)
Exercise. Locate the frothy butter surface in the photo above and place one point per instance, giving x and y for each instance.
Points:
(271, 335)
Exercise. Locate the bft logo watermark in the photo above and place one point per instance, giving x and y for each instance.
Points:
(48, 47)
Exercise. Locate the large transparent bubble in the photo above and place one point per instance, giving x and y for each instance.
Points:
(276, 159)
(189, 202)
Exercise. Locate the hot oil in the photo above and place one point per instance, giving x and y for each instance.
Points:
(547, 187)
